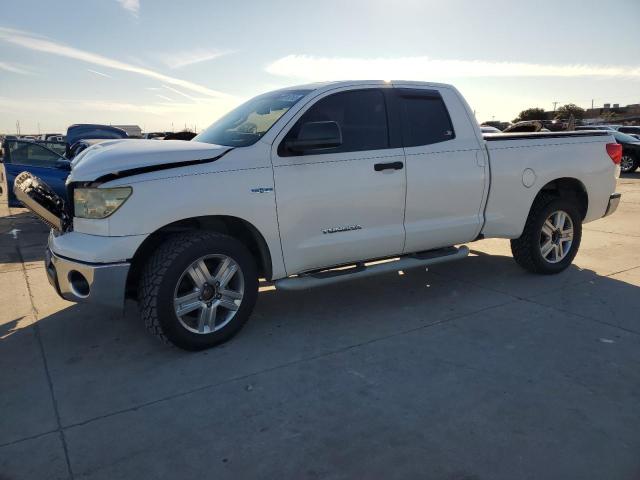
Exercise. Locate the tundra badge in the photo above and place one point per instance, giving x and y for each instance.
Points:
(345, 228)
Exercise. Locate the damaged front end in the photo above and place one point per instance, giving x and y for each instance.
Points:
(38, 197)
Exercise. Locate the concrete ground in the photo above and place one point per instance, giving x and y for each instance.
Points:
(473, 370)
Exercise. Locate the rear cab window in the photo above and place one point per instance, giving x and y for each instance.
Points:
(425, 118)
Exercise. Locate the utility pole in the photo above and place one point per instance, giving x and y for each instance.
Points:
(554, 105)
(592, 104)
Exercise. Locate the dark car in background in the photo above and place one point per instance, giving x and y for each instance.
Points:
(630, 129)
(84, 131)
(630, 151)
(81, 145)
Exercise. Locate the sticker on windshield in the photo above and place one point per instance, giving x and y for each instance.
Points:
(290, 97)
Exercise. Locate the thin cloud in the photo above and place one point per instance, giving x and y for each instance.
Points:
(8, 67)
(41, 44)
(175, 90)
(132, 6)
(160, 108)
(99, 73)
(424, 68)
(207, 110)
(164, 98)
(191, 57)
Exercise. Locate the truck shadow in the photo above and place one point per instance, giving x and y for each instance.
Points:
(96, 353)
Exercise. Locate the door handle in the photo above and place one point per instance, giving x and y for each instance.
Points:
(378, 167)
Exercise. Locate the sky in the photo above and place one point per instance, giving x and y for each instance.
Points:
(165, 65)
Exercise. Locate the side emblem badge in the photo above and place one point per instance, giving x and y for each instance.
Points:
(345, 228)
(262, 190)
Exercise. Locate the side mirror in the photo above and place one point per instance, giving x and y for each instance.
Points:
(63, 164)
(316, 136)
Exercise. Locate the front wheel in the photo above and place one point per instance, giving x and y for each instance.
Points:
(628, 164)
(198, 289)
(551, 236)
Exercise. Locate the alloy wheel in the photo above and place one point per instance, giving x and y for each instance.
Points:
(209, 293)
(626, 163)
(556, 236)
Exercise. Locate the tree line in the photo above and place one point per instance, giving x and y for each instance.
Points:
(565, 111)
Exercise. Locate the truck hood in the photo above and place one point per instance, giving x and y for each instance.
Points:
(114, 157)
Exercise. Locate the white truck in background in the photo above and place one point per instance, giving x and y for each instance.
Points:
(297, 182)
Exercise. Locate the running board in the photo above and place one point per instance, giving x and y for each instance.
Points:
(328, 277)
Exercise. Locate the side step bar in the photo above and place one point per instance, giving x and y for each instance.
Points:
(328, 277)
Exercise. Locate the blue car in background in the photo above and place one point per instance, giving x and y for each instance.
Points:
(49, 161)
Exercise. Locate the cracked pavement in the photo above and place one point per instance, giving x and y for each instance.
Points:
(470, 370)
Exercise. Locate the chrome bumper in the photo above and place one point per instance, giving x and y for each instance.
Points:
(614, 201)
(100, 284)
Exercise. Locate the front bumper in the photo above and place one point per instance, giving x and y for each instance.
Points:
(614, 201)
(100, 284)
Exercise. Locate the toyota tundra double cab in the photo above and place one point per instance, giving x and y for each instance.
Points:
(305, 187)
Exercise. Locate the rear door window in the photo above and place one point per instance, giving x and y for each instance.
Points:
(425, 119)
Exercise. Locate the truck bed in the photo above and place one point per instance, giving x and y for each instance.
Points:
(523, 163)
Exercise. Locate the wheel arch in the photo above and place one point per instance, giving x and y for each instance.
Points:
(235, 227)
(566, 187)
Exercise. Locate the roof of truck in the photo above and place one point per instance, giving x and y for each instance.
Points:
(347, 83)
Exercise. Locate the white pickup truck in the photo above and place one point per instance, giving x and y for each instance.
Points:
(308, 186)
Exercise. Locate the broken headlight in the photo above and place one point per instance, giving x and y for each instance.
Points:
(98, 202)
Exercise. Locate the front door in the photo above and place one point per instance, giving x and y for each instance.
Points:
(341, 204)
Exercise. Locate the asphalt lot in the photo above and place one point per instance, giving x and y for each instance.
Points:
(473, 370)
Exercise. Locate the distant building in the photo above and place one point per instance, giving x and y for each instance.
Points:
(609, 113)
(132, 130)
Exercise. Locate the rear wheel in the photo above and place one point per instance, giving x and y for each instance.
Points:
(551, 236)
(198, 289)
(628, 164)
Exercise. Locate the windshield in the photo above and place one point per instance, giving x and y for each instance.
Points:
(250, 121)
(624, 138)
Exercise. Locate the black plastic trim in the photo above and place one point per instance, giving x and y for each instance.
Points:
(394, 120)
(496, 137)
(154, 168)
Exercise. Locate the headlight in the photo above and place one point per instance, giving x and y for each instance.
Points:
(98, 202)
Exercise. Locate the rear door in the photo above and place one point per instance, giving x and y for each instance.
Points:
(346, 203)
(447, 171)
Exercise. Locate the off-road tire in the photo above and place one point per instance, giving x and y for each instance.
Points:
(161, 273)
(526, 249)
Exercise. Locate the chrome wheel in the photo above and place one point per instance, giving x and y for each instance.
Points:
(205, 302)
(556, 236)
(626, 163)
